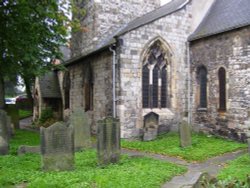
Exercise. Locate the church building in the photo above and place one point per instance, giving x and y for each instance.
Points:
(187, 59)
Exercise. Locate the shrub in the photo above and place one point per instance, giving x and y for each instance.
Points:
(228, 183)
(46, 114)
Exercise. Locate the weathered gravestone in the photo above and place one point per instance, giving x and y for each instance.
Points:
(248, 141)
(57, 147)
(185, 134)
(13, 112)
(151, 121)
(81, 125)
(108, 141)
(4, 133)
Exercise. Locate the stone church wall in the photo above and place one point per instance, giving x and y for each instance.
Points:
(101, 66)
(230, 50)
(173, 30)
(104, 17)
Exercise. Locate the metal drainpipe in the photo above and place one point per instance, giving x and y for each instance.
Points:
(189, 86)
(113, 80)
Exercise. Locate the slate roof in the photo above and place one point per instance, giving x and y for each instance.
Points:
(224, 15)
(162, 11)
(49, 85)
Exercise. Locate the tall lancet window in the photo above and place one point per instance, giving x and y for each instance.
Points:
(202, 74)
(222, 89)
(154, 77)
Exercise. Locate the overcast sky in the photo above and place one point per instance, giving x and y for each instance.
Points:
(164, 1)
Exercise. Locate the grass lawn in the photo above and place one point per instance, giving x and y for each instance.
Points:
(203, 146)
(238, 169)
(130, 172)
(24, 114)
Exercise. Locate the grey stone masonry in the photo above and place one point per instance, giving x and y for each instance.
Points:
(82, 137)
(185, 134)
(229, 51)
(104, 17)
(108, 141)
(4, 133)
(57, 147)
(171, 32)
(101, 66)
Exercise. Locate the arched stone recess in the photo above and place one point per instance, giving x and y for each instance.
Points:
(157, 80)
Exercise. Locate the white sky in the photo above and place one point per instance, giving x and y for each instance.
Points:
(164, 1)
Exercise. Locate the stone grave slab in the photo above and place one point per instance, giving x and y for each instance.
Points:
(151, 122)
(108, 141)
(57, 147)
(23, 149)
(82, 135)
(185, 134)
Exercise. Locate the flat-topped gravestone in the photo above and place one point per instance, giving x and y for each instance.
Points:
(185, 134)
(108, 141)
(151, 122)
(82, 135)
(4, 133)
(57, 147)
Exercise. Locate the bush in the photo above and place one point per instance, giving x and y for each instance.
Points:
(46, 118)
(46, 114)
(228, 183)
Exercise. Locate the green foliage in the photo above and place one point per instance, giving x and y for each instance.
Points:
(238, 169)
(30, 36)
(227, 183)
(203, 146)
(46, 114)
(24, 114)
(133, 172)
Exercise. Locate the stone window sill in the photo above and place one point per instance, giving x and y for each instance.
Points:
(202, 109)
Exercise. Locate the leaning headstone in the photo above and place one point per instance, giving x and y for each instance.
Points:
(108, 141)
(57, 147)
(23, 149)
(151, 122)
(13, 112)
(185, 134)
(4, 133)
(82, 136)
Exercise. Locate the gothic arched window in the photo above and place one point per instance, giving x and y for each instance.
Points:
(222, 89)
(202, 74)
(154, 78)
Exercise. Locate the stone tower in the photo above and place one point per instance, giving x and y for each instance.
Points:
(103, 18)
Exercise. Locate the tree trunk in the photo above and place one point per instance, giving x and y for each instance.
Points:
(28, 88)
(2, 93)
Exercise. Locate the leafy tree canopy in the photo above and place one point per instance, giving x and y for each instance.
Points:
(30, 35)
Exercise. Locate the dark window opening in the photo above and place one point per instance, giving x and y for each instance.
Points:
(145, 87)
(66, 86)
(89, 90)
(164, 87)
(222, 89)
(203, 87)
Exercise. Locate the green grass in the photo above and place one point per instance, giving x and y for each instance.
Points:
(24, 114)
(238, 169)
(203, 147)
(23, 137)
(132, 172)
